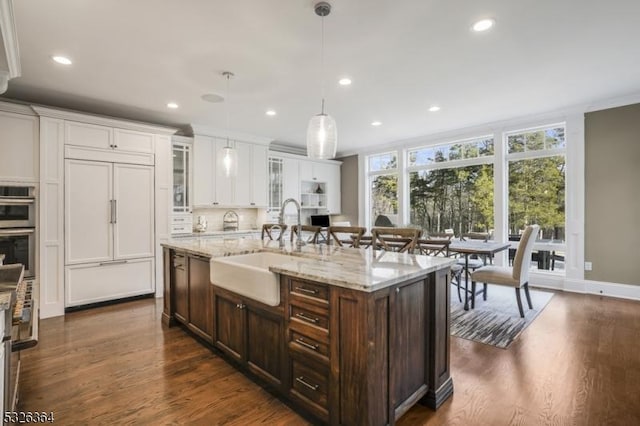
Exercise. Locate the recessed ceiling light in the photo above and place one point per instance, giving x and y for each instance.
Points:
(270, 112)
(434, 108)
(172, 105)
(344, 81)
(62, 60)
(376, 123)
(483, 25)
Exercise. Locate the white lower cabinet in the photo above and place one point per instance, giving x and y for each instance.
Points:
(99, 282)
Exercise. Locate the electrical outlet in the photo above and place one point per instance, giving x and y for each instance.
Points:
(588, 266)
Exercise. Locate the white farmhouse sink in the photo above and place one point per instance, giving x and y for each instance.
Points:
(249, 275)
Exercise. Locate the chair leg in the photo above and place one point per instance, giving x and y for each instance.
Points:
(519, 302)
(458, 285)
(473, 294)
(526, 293)
(484, 291)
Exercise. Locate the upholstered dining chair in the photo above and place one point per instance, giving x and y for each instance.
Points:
(336, 235)
(395, 239)
(267, 230)
(516, 276)
(314, 230)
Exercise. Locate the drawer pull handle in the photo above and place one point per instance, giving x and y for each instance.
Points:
(307, 318)
(307, 290)
(303, 382)
(307, 345)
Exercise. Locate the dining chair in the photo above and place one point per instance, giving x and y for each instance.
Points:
(395, 239)
(337, 235)
(516, 276)
(314, 230)
(382, 220)
(267, 230)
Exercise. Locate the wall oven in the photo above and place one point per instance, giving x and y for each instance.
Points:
(17, 207)
(18, 226)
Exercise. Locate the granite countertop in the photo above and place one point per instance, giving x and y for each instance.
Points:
(358, 269)
(10, 276)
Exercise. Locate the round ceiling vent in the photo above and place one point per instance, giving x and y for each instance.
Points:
(212, 97)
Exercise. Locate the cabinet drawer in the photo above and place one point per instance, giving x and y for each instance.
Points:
(309, 289)
(310, 383)
(308, 316)
(303, 343)
(181, 229)
(181, 220)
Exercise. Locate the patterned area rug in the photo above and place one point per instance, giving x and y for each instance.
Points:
(495, 321)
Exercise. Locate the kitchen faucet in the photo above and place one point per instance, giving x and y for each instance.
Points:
(299, 242)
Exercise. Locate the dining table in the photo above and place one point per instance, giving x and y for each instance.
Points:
(486, 249)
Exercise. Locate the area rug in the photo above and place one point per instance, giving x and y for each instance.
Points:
(495, 321)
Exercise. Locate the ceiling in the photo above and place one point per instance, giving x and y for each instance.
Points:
(130, 58)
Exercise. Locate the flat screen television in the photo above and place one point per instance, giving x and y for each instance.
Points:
(320, 220)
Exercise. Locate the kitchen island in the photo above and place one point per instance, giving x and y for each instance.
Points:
(358, 336)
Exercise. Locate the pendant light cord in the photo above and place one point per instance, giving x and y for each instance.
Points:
(227, 109)
(322, 64)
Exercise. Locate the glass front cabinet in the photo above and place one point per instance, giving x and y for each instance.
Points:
(182, 179)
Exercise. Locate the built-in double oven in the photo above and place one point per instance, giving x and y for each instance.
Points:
(18, 226)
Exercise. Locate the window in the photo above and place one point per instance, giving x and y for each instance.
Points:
(383, 189)
(537, 168)
(451, 186)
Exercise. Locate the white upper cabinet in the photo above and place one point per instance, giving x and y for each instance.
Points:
(104, 137)
(212, 188)
(90, 135)
(291, 179)
(203, 173)
(19, 147)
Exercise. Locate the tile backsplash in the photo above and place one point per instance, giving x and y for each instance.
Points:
(247, 218)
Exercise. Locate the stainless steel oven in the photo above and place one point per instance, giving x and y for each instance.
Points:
(19, 246)
(17, 207)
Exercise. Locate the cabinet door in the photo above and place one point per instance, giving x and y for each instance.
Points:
(134, 211)
(203, 170)
(200, 299)
(334, 203)
(91, 135)
(229, 324)
(259, 177)
(409, 341)
(224, 185)
(181, 288)
(19, 145)
(243, 187)
(182, 185)
(306, 171)
(129, 140)
(265, 334)
(88, 211)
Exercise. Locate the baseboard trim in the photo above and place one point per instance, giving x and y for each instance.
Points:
(600, 288)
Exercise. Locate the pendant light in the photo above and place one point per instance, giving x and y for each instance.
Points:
(322, 137)
(228, 156)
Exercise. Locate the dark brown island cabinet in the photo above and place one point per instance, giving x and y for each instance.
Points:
(346, 357)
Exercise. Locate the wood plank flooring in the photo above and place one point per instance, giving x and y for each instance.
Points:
(578, 363)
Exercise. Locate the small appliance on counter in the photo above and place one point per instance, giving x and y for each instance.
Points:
(201, 226)
(230, 221)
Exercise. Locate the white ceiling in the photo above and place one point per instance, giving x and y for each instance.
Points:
(131, 57)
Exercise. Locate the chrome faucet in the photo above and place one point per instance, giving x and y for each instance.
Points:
(299, 242)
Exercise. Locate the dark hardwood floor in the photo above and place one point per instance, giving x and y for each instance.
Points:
(578, 363)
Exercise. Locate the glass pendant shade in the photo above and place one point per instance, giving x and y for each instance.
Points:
(322, 137)
(228, 161)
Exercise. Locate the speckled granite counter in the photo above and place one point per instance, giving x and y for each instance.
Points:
(359, 269)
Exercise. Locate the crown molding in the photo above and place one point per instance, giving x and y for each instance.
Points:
(102, 120)
(204, 130)
(10, 38)
(18, 108)
(282, 154)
